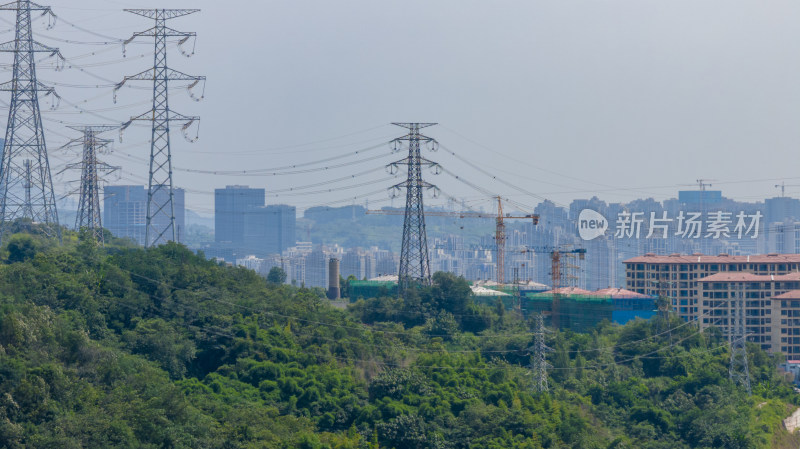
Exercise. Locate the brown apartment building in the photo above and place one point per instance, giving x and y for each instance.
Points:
(705, 288)
(677, 276)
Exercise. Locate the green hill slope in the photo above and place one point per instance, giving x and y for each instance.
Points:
(122, 347)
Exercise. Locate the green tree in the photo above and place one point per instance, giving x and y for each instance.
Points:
(21, 247)
(561, 363)
(451, 292)
(276, 276)
(442, 325)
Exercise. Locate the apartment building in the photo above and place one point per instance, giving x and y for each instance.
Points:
(677, 276)
(771, 308)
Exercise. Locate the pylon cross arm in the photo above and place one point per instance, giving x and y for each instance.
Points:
(102, 166)
(419, 137)
(165, 13)
(10, 86)
(174, 75)
(411, 125)
(94, 128)
(421, 184)
(166, 32)
(149, 75)
(14, 6)
(171, 32)
(173, 117)
(11, 46)
(428, 162)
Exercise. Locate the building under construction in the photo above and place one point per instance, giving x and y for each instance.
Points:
(580, 310)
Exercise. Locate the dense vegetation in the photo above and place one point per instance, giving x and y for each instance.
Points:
(122, 347)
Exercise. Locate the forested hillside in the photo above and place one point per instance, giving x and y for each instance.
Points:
(122, 347)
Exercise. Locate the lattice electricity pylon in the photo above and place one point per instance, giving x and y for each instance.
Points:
(539, 352)
(27, 186)
(24, 139)
(739, 371)
(90, 166)
(415, 268)
(160, 206)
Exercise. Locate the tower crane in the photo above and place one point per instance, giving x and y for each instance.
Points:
(500, 228)
(500, 238)
(556, 265)
(783, 187)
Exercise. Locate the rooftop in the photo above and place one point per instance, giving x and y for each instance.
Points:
(722, 258)
(483, 291)
(794, 294)
(617, 293)
(750, 277)
(566, 291)
(386, 278)
(521, 284)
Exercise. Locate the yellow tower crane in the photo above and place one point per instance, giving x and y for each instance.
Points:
(556, 274)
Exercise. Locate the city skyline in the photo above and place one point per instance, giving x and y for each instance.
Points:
(251, 234)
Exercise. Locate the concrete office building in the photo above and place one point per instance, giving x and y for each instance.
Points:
(125, 212)
(231, 205)
(269, 229)
(781, 237)
(779, 209)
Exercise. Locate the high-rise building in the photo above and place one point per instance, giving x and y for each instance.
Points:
(269, 229)
(316, 272)
(780, 208)
(354, 264)
(231, 205)
(780, 237)
(386, 263)
(251, 262)
(771, 303)
(700, 197)
(125, 211)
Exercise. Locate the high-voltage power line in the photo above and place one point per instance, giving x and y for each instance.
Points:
(26, 186)
(160, 207)
(415, 267)
(89, 203)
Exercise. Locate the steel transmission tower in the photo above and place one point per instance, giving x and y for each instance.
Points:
(539, 357)
(739, 371)
(415, 268)
(160, 206)
(89, 204)
(26, 187)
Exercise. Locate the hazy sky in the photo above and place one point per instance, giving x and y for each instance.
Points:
(567, 99)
